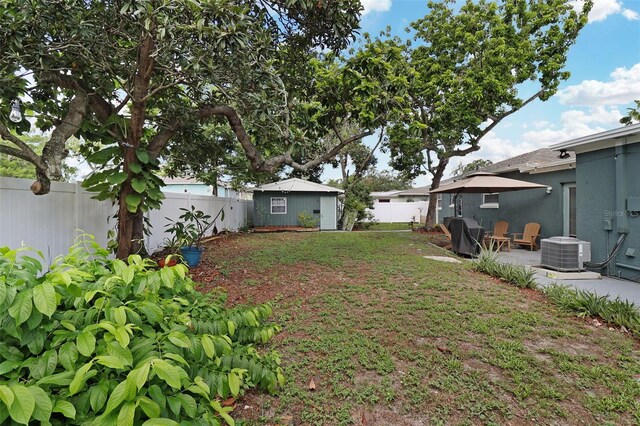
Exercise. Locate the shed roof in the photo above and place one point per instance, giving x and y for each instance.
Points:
(296, 185)
(421, 190)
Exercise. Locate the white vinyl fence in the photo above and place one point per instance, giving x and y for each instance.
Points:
(399, 212)
(50, 222)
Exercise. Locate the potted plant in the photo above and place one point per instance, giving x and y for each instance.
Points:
(188, 232)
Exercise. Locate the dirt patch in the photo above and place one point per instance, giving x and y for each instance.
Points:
(263, 229)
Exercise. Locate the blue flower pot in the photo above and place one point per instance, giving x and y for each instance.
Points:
(191, 255)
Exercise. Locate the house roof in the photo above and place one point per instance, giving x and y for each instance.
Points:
(422, 190)
(539, 161)
(296, 185)
(607, 139)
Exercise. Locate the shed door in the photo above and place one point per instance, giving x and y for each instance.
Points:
(328, 213)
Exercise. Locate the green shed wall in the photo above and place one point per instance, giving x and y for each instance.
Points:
(521, 207)
(296, 203)
(596, 201)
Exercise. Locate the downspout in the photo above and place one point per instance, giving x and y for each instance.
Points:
(622, 221)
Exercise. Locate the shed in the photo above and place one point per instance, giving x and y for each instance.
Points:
(282, 203)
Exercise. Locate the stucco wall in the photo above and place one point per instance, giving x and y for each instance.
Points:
(596, 201)
(296, 203)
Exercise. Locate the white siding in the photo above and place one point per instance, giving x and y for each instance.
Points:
(399, 212)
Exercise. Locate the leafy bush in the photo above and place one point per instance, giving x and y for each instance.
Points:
(307, 220)
(99, 342)
(487, 262)
(586, 304)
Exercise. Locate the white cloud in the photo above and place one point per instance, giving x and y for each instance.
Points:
(623, 88)
(602, 9)
(574, 124)
(375, 6)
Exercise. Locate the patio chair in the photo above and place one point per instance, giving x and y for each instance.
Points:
(446, 233)
(499, 237)
(529, 236)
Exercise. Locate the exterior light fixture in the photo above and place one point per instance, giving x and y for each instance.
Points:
(564, 154)
(15, 115)
(549, 189)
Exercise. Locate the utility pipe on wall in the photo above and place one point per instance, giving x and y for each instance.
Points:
(622, 221)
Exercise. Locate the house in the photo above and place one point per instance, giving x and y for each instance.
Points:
(401, 196)
(408, 205)
(283, 203)
(607, 196)
(196, 187)
(554, 208)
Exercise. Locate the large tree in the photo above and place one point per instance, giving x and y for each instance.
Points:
(137, 76)
(476, 64)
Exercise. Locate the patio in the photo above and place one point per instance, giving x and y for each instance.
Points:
(589, 281)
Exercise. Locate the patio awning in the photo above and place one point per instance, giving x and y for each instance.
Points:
(485, 184)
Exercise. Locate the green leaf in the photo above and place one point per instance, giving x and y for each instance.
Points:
(120, 313)
(44, 299)
(179, 339)
(60, 379)
(65, 408)
(232, 327)
(117, 397)
(86, 343)
(138, 185)
(150, 408)
(167, 372)
(110, 361)
(44, 406)
(103, 156)
(117, 178)
(3, 290)
(234, 384)
(68, 355)
(160, 422)
(207, 345)
(127, 276)
(79, 379)
(189, 405)
(142, 374)
(6, 395)
(23, 404)
(98, 395)
(135, 167)
(142, 155)
(21, 308)
(133, 201)
(127, 413)
(122, 336)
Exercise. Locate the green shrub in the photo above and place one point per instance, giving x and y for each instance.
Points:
(487, 262)
(101, 342)
(307, 220)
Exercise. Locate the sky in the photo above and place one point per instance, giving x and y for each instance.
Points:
(605, 80)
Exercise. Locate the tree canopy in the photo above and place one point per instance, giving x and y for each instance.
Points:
(136, 77)
(474, 66)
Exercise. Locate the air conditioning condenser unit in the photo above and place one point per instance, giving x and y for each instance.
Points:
(565, 254)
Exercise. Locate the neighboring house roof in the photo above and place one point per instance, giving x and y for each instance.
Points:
(539, 161)
(622, 135)
(384, 194)
(182, 181)
(422, 190)
(296, 185)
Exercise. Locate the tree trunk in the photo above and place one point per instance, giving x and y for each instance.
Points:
(433, 198)
(130, 237)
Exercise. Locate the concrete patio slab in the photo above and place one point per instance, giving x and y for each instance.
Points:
(611, 287)
(443, 259)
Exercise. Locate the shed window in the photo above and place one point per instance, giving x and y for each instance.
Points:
(278, 205)
(438, 201)
(490, 201)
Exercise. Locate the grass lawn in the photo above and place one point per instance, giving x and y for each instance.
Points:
(391, 338)
(390, 226)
